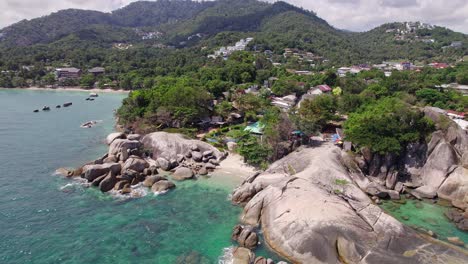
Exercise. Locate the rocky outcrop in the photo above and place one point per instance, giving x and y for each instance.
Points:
(311, 211)
(455, 187)
(169, 146)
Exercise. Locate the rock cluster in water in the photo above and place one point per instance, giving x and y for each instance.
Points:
(133, 159)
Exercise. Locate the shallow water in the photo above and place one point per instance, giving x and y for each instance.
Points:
(427, 216)
(45, 218)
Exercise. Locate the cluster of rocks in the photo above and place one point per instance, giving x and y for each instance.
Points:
(129, 161)
(312, 207)
(459, 216)
(242, 255)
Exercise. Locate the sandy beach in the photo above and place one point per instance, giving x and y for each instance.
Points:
(234, 166)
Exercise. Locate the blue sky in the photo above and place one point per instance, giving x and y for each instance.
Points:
(355, 15)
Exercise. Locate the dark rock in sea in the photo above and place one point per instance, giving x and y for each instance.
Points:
(46, 108)
(120, 185)
(67, 104)
(36, 111)
(58, 106)
(108, 183)
(245, 236)
(162, 186)
(91, 172)
(98, 180)
(151, 180)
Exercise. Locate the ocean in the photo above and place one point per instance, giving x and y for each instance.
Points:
(45, 218)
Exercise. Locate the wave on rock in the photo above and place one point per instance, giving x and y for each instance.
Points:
(227, 257)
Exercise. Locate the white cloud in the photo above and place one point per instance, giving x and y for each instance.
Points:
(356, 15)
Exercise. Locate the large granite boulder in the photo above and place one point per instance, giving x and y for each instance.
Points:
(439, 163)
(455, 187)
(135, 163)
(113, 136)
(182, 174)
(91, 172)
(151, 180)
(108, 183)
(312, 212)
(243, 256)
(118, 145)
(169, 146)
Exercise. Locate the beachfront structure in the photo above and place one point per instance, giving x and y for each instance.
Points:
(68, 73)
(97, 71)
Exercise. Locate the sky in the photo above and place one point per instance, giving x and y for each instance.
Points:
(354, 15)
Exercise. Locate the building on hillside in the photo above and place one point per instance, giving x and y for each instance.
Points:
(456, 44)
(285, 103)
(97, 71)
(403, 66)
(67, 73)
(324, 88)
(438, 65)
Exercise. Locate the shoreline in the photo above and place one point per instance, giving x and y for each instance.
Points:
(71, 89)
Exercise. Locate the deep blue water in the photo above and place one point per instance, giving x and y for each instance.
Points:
(41, 221)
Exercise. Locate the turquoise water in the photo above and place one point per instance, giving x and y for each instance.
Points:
(427, 216)
(45, 219)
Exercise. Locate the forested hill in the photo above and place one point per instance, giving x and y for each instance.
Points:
(183, 23)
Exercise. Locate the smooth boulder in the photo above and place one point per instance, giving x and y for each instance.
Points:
(135, 163)
(182, 174)
(162, 186)
(169, 145)
(151, 180)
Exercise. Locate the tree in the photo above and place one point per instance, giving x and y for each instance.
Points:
(387, 126)
(87, 81)
(462, 78)
(315, 113)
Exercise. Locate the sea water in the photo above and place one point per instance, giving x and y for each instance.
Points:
(45, 218)
(427, 216)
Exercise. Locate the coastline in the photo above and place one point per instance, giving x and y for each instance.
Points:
(70, 89)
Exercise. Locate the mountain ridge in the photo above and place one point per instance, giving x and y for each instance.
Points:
(274, 26)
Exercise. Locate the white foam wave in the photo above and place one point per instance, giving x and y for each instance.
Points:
(77, 183)
(138, 191)
(227, 257)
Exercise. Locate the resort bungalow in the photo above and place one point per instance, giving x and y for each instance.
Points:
(68, 73)
(97, 71)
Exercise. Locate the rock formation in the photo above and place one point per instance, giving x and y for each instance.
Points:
(126, 164)
(311, 210)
